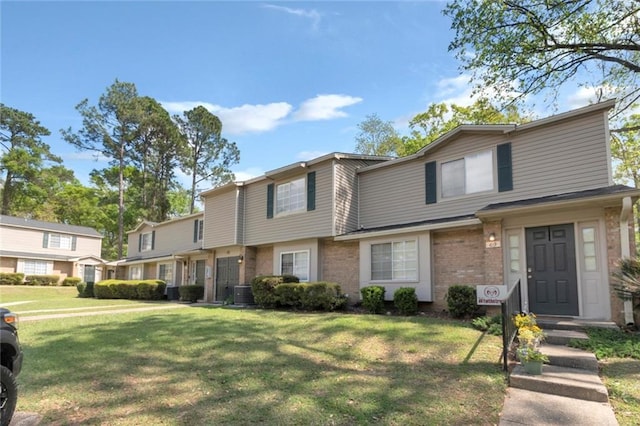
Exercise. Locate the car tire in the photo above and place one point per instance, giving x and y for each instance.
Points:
(8, 395)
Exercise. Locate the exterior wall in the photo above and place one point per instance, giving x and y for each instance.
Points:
(222, 223)
(544, 162)
(346, 195)
(63, 269)
(170, 237)
(493, 259)
(340, 264)
(264, 261)
(305, 224)
(458, 258)
(248, 267)
(31, 241)
(8, 264)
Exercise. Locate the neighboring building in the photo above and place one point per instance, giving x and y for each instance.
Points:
(170, 251)
(483, 204)
(34, 247)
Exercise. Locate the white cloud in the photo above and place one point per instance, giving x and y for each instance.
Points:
(325, 107)
(311, 14)
(588, 95)
(86, 156)
(310, 155)
(246, 174)
(238, 120)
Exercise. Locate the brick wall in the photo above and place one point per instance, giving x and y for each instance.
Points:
(458, 258)
(264, 261)
(341, 264)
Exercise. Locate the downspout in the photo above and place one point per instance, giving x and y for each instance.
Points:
(625, 214)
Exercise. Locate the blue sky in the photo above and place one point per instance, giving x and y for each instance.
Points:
(289, 80)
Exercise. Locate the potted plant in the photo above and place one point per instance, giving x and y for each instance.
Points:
(532, 359)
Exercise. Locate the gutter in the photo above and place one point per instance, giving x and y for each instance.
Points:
(625, 214)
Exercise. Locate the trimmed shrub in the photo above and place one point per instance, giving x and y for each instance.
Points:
(263, 288)
(85, 290)
(71, 281)
(322, 296)
(42, 279)
(10, 278)
(191, 293)
(130, 289)
(373, 298)
(406, 301)
(462, 301)
(289, 294)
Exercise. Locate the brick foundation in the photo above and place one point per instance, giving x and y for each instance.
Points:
(341, 264)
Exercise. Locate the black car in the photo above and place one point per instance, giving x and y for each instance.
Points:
(11, 364)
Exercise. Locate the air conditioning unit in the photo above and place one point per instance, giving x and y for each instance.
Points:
(242, 295)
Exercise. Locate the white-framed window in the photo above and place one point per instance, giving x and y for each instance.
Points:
(468, 175)
(291, 196)
(60, 241)
(165, 272)
(295, 263)
(146, 241)
(36, 267)
(514, 253)
(135, 273)
(200, 229)
(394, 261)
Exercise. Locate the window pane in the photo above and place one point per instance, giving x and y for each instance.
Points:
(301, 265)
(381, 261)
(588, 234)
(479, 172)
(35, 267)
(146, 241)
(453, 178)
(291, 196)
(286, 262)
(590, 264)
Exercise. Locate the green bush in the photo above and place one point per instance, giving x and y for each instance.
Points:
(373, 298)
(263, 288)
(10, 278)
(71, 281)
(42, 279)
(462, 301)
(492, 325)
(406, 301)
(85, 290)
(191, 293)
(130, 289)
(322, 296)
(288, 294)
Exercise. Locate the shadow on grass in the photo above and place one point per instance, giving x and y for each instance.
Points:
(221, 366)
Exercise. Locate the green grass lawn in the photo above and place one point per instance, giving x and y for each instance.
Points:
(213, 365)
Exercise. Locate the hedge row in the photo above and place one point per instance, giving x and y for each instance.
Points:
(130, 289)
(18, 278)
(191, 293)
(287, 291)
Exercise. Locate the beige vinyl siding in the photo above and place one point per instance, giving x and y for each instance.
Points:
(346, 195)
(172, 236)
(30, 241)
(563, 157)
(221, 220)
(305, 224)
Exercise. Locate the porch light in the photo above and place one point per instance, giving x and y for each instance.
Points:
(240, 259)
(492, 236)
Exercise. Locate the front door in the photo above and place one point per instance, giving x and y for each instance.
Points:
(227, 276)
(551, 270)
(89, 274)
(200, 270)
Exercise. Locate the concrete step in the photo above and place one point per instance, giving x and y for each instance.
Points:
(555, 323)
(562, 337)
(526, 408)
(564, 356)
(562, 381)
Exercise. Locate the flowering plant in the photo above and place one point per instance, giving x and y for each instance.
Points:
(528, 354)
(529, 333)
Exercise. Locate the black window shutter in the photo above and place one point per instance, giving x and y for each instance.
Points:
(311, 191)
(45, 240)
(195, 231)
(73, 243)
(270, 189)
(153, 240)
(140, 243)
(505, 170)
(431, 184)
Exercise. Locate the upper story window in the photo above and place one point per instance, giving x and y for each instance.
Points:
(468, 175)
(295, 263)
(291, 196)
(60, 241)
(198, 230)
(146, 241)
(394, 261)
